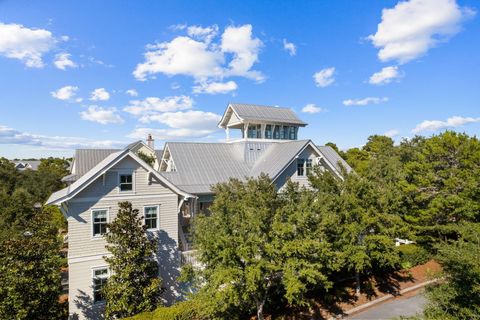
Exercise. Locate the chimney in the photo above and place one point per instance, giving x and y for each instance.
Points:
(150, 142)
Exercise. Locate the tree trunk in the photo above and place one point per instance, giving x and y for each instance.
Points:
(260, 309)
(357, 282)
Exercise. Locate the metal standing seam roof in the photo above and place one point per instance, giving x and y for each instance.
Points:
(86, 159)
(334, 158)
(253, 112)
(199, 166)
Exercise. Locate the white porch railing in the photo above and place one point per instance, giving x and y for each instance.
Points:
(190, 257)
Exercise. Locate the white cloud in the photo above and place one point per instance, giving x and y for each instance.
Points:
(215, 87)
(63, 61)
(205, 34)
(324, 77)
(25, 44)
(384, 76)
(392, 133)
(408, 30)
(311, 108)
(181, 56)
(132, 92)
(198, 56)
(452, 122)
(65, 93)
(290, 47)
(12, 136)
(245, 49)
(99, 94)
(101, 115)
(154, 105)
(192, 119)
(364, 101)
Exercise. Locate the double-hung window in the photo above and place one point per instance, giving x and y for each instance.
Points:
(99, 220)
(151, 217)
(126, 182)
(308, 166)
(100, 277)
(301, 167)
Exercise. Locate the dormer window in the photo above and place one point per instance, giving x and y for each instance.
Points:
(126, 182)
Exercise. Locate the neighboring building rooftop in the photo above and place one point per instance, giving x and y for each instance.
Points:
(26, 164)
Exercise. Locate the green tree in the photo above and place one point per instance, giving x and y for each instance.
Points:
(457, 295)
(8, 175)
(134, 285)
(378, 144)
(150, 159)
(357, 221)
(257, 242)
(442, 179)
(30, 272)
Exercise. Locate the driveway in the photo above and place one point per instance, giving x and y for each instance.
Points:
(407, 307)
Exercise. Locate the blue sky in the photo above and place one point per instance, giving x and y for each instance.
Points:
(104, 73)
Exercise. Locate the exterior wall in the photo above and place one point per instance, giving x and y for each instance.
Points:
(86, 251)
(291, 171)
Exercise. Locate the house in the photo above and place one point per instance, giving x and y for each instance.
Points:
(26, 164)
(173, 189)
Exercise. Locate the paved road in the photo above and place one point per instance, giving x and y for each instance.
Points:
(394, 308)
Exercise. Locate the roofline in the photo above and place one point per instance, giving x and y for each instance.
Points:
(328, 161)
(291, 160)
(308, 142)
(121, 156)
(229, 106)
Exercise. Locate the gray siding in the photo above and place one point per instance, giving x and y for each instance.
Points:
(85, 252)
(291, 171)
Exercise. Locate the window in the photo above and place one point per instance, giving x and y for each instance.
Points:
(285, 132)
(100, 277)
(126, 182)
(300, 167)
(254, 131)
(308, 165)
(268, 131)
(99, 220)
(276, 132)
(259, 131)
(151, 217)
(293, 132)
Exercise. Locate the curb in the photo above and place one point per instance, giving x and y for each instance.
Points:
(388, 297)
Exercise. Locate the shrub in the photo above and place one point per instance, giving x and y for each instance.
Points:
(184, 310)
(412, 255)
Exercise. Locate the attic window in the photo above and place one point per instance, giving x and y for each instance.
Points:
(126, 182)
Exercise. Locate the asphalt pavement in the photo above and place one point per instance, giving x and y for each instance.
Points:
(407, 307)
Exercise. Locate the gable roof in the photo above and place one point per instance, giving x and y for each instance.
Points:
(201, 165)
(334, 158)
(268, 114)
(99, 169)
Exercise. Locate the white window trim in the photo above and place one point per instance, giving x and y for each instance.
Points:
(158, 216)
(93, 269)
(126, 172)
(101, 236)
